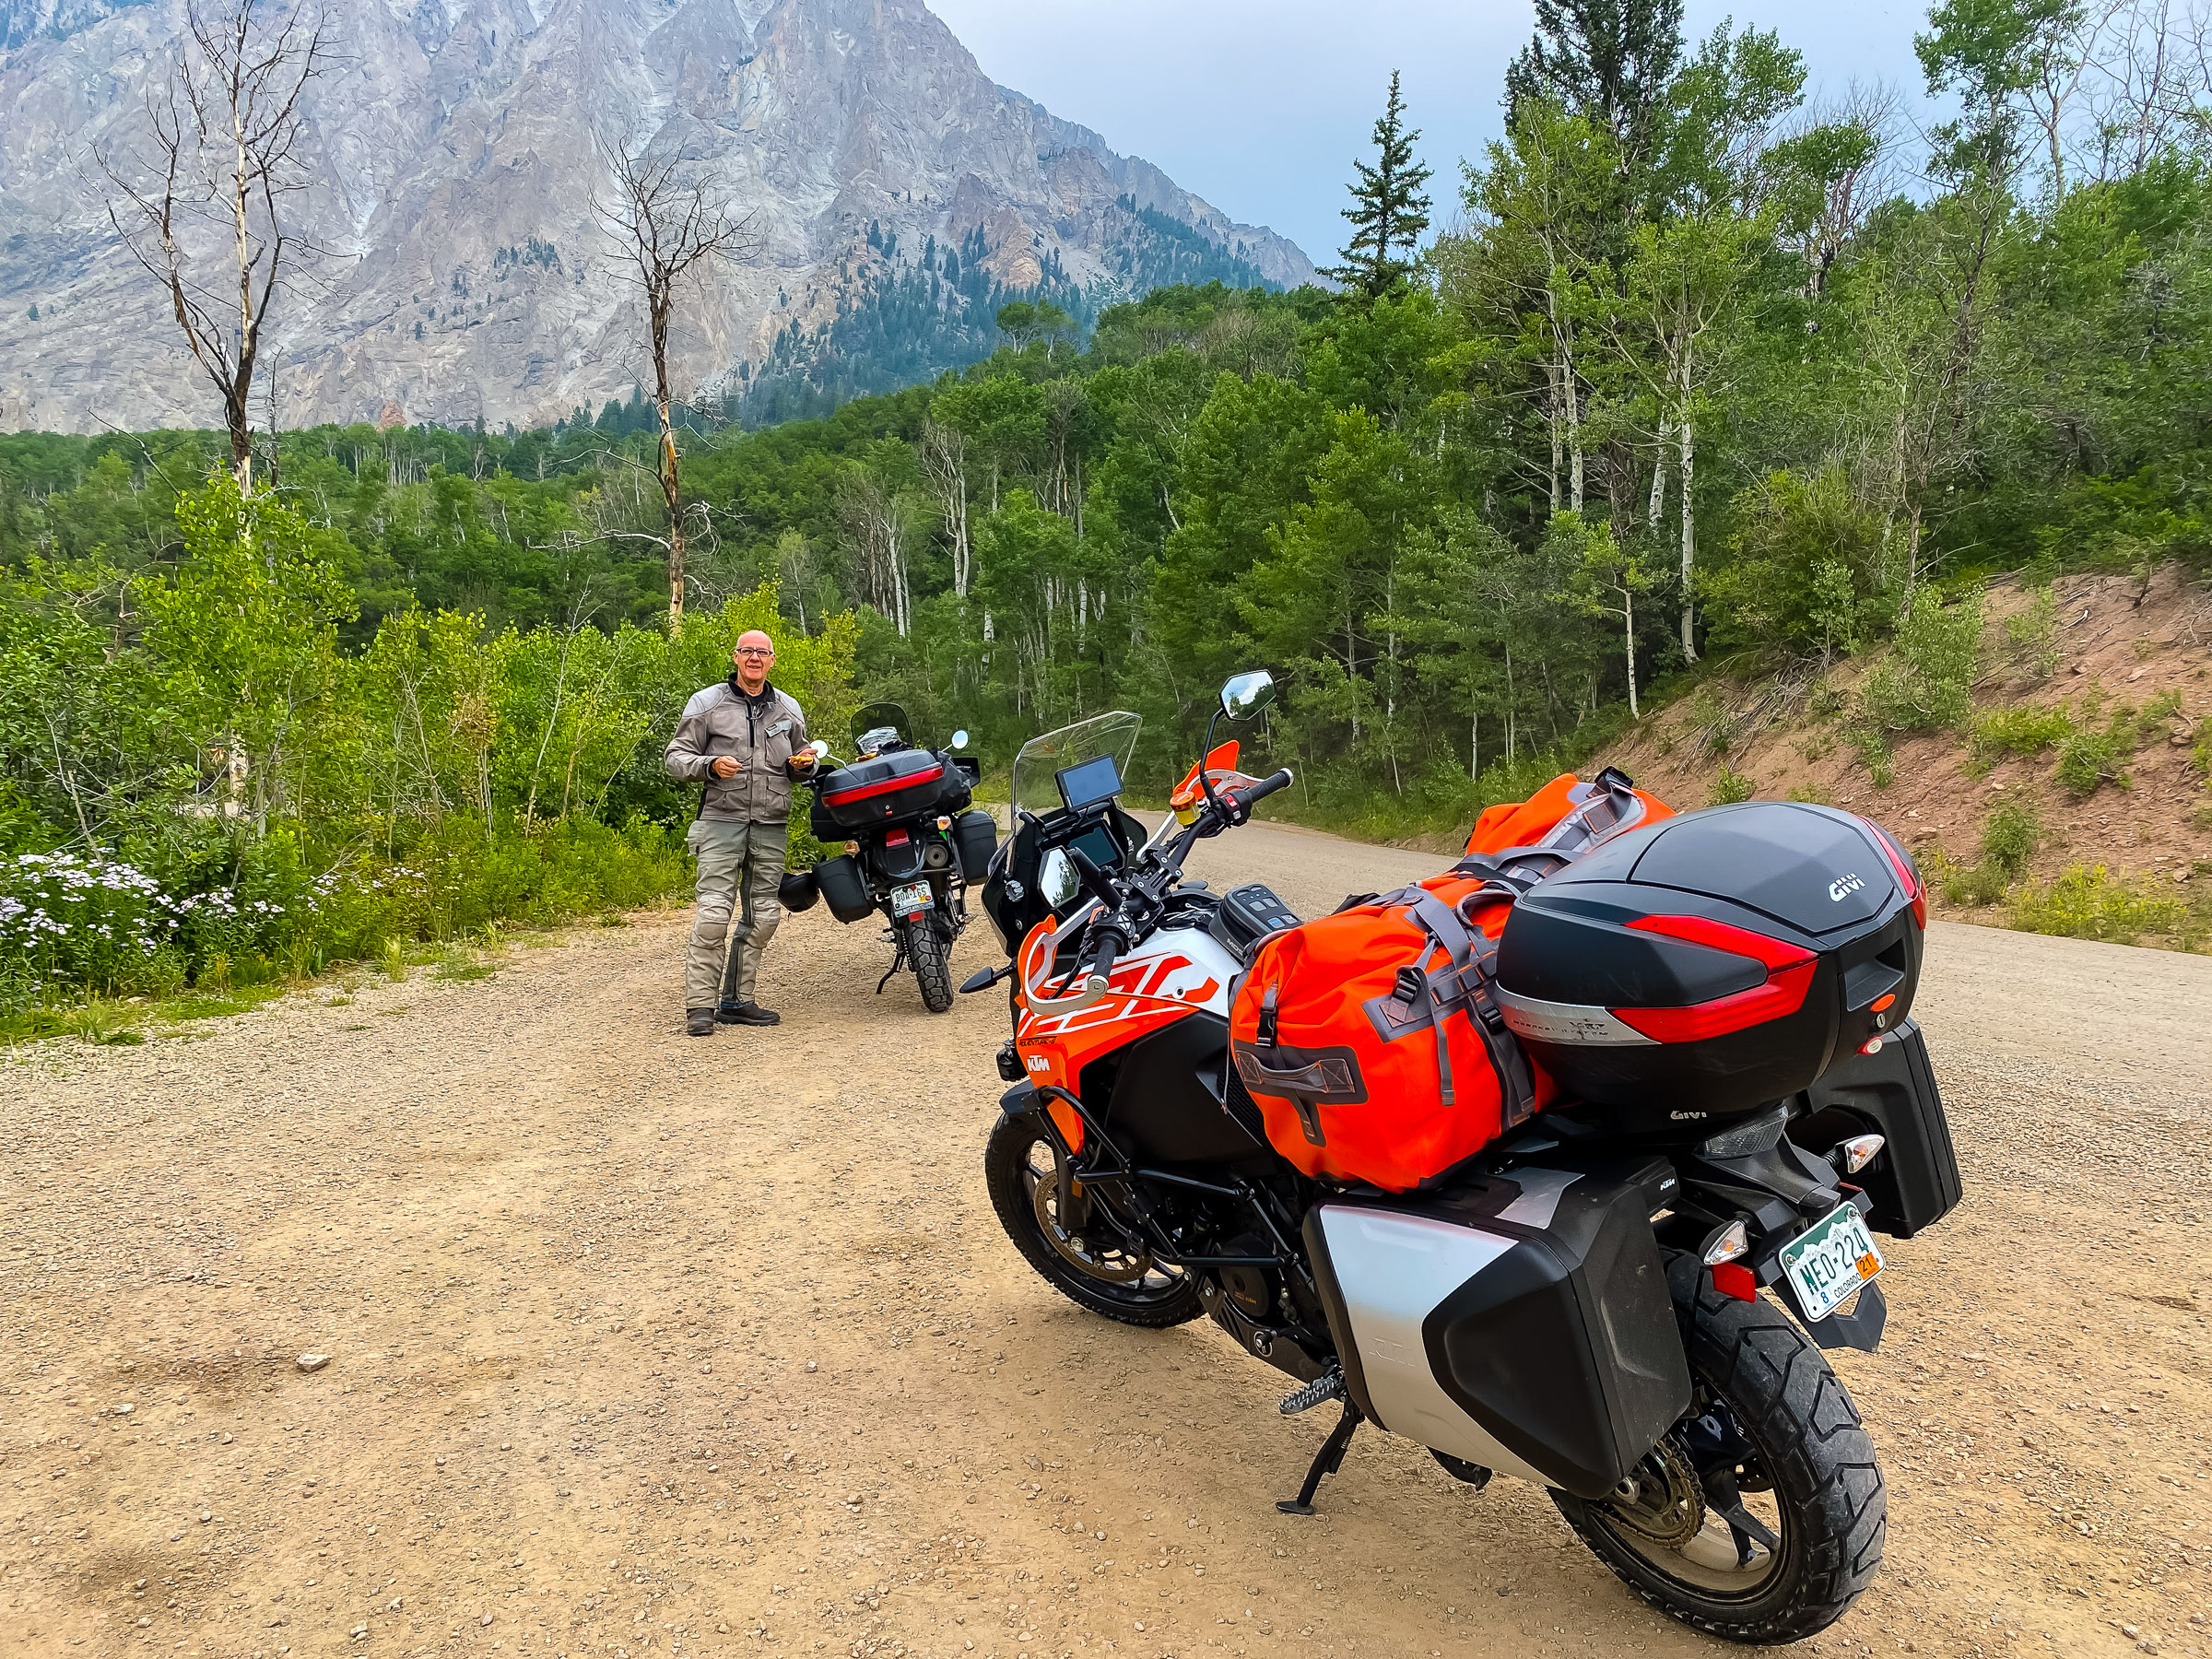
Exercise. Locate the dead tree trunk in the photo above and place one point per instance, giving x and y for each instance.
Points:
(667, 224)
(206, 213)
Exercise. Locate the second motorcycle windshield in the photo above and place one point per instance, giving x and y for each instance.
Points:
(1037, 769)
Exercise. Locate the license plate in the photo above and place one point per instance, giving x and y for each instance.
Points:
(1830, 1260)
(911, 898)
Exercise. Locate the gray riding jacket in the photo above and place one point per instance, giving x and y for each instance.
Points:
(721, 720)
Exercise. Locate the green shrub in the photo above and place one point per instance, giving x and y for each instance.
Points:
(1804, 570)
(2010, 835)
(1927, 682)
(1730, 787)
(2031, 637)
(1970, 885)
(1873, 750)
(2025, 731)
(2088, 760)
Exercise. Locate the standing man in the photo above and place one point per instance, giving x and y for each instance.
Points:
(742, 740)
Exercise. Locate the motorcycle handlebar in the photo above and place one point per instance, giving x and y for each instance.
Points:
(1101, 963)
(1267, 787)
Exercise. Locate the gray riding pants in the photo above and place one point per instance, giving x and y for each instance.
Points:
(740, 866)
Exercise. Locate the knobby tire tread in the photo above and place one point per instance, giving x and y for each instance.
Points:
(1787, 1398)
(932, 958)
(1011, 1138)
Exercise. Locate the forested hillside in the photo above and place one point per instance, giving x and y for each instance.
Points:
(1704, 373)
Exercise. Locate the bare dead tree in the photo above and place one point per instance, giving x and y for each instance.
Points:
(669, 221)
(206, 213)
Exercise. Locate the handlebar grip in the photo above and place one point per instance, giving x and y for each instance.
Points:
(1102, 964)
(1267, 787)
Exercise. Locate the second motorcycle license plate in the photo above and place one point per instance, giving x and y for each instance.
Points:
(907, 900)
(1830, 1260)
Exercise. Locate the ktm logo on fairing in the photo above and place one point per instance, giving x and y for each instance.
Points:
(1039, 1063)
(1843, 887)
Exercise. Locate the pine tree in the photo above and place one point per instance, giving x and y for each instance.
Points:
(1388, 210)
(1611, 60)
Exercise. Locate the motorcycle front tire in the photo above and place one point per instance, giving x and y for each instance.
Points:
(1015, 1158)
(1827, 1491)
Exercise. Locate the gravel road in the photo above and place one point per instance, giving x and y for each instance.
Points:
(646, 1345)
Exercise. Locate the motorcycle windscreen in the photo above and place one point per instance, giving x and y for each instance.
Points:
(1521, 1323)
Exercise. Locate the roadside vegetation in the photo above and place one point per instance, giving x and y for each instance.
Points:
(1712, 385)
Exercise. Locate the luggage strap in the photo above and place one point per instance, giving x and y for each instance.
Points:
(1465, 984)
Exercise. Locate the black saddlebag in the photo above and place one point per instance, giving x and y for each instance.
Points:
(975, 837)
(1913, 1180)
(1521, 1322)
(844, 888)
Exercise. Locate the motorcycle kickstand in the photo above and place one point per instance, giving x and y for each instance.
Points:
(1327, 1461)
(898, 961)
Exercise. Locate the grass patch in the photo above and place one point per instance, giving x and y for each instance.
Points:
(2088, 901)
(242, 1001)
(467, 970)
(2026, 732)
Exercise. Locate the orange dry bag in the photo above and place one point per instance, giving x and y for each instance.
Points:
(1371, 1040)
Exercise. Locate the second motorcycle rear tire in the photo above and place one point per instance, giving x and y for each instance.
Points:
(930, 954)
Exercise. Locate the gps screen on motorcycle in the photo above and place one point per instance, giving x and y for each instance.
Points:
(1092, 783)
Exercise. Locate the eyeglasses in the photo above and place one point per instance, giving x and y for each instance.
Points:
(755, 651)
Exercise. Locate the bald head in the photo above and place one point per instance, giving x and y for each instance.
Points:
(753, 655)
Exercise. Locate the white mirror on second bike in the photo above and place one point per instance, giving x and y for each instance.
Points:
(959, 738)
(818, 748)
(1246, 694)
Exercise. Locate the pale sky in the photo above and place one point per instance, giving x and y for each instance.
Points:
(1261, 107)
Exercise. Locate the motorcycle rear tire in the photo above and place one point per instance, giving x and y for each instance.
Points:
(1006, 1166)
(930, 954)
(1826, 1493)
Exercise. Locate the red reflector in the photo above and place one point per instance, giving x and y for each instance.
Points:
(1789, 977)
(1906, 874)
(1718, 935)
(897, 838)
(1884, 1003)
(1781, 995)
(1732, 1278)
(841, 797)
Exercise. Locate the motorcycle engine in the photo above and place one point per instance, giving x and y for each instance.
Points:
(1250, 1289)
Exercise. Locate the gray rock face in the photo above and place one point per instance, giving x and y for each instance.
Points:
(461, 274)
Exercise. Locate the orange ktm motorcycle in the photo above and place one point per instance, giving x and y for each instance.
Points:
(1626, 1296)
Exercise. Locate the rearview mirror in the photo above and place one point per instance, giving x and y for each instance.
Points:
(818, 748)
(1058, 879)
(1246, 694)
(959, 738)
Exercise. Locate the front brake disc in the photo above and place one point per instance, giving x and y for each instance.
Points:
(1120, 1268)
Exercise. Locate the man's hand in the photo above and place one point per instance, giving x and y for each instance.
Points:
(803, 761)
(726, 766)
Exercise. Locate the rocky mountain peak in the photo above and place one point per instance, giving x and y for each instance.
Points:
(896, 196)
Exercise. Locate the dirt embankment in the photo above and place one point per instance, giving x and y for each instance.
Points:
(2114, 643)
(641, 1346)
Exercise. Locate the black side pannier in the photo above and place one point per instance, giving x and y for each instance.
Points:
(1716, 962)
(975, 837)
(1913, 1180)
(844, 888)
(1521, 1321)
